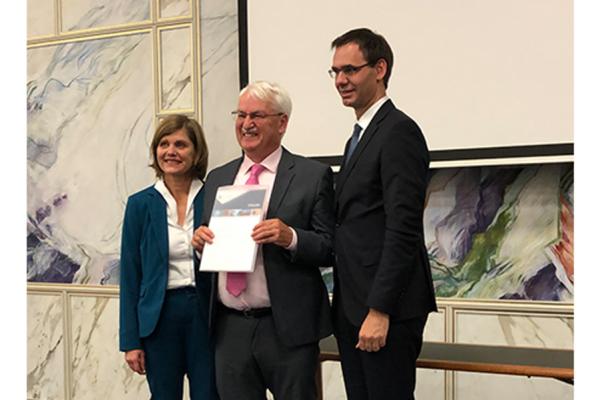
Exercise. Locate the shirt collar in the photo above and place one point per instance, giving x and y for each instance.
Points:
(270, 162)
(164, 191)
(366, 118)
(194, 189)
(162, 188)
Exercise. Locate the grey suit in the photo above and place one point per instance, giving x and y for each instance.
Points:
(302, 198)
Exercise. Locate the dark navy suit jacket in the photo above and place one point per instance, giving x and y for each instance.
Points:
(144, 265)
(381, 259)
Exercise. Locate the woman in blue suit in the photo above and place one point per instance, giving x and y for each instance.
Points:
(163, 298)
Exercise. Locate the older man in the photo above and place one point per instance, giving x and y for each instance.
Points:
(269, 322)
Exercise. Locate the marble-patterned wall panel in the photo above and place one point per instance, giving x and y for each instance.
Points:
(45, 347)
(220, 77)
(176, 69)
(37, 59)
(502, 232)
(84, 14)
(174, 8)
(514, 330)
(85, 156)
(435, 329)
(333, 381)
(475, 386)
(40, 18)
(99, 370)
(431, 384)
(327, 274)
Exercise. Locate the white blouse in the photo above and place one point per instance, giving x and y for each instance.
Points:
(181, 258)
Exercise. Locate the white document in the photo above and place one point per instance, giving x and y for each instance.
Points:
(237, 209)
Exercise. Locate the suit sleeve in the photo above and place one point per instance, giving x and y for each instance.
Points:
(129, 292)
(404, 172)
(315, 245)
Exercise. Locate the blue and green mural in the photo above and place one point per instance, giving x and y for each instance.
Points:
(502, 232)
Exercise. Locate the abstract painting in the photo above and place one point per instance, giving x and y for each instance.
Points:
(501, 232)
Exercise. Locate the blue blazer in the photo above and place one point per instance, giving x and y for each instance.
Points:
(144, 265)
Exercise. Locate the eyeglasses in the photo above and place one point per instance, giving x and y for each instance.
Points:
(255, 115)
(347, 70)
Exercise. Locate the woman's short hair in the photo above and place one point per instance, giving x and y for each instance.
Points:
(192, 128)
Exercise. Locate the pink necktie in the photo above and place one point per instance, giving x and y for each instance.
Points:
(236, 281)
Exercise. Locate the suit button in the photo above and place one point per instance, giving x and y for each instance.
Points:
(337, 225)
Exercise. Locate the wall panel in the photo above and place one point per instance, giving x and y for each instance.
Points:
(45, 346)
(174, 8)
(85, 14)
(220, 77)
(97, 366)
(85, 156)
(473, 386)
(514, 329)
(41, 19)
(176, 58)
(98, 370)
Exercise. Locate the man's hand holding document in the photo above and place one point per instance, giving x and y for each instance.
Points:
(230, 246)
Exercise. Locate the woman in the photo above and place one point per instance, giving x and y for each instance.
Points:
(164, 300)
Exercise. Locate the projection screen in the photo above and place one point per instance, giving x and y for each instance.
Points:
(474, 74)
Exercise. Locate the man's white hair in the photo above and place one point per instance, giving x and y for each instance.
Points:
(271, 93)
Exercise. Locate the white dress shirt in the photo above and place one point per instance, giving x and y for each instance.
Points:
(366, 118)
(256, 294)
(181, 258)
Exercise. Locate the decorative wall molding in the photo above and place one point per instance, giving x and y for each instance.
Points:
(445, 304)
(448, 305)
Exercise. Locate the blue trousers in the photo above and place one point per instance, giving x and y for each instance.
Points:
(180, 346)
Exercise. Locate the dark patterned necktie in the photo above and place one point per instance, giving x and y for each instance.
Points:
(353, 142)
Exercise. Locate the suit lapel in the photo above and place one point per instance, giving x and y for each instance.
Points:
(198, 205)
(158, 221)
(283, 178)
(362, 145)
(230, 173)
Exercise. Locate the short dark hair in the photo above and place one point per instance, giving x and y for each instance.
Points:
(373, 46)
(192, 128)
